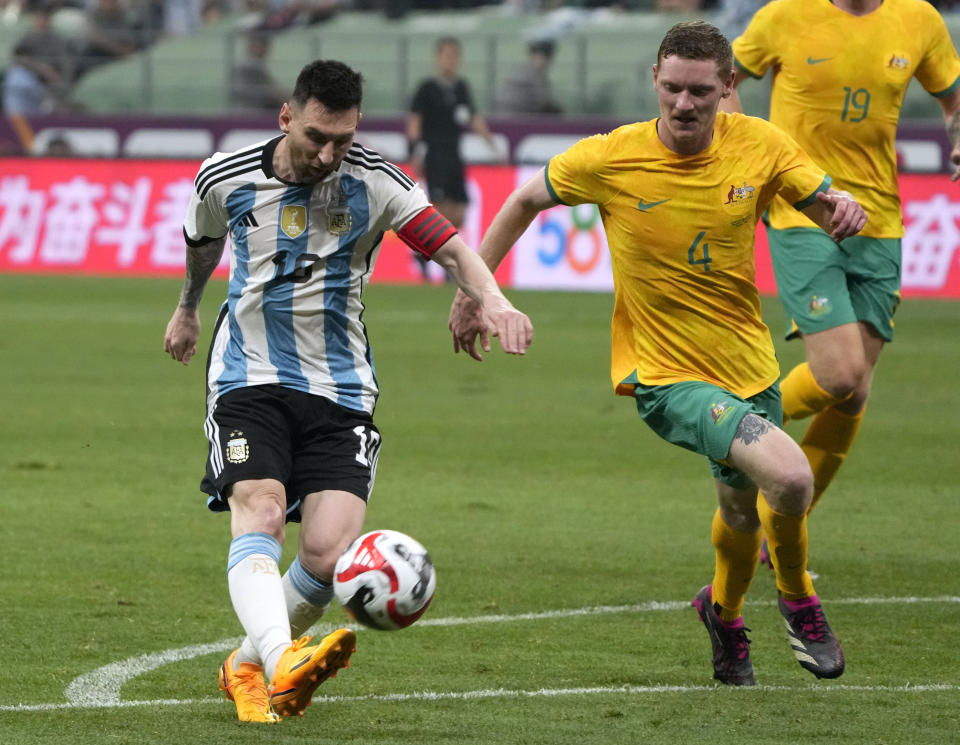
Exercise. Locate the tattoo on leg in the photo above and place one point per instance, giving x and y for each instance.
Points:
(751, 428)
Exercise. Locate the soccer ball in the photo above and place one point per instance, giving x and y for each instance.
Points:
(385, 580)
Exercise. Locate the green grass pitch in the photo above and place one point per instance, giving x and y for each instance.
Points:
(568, 542)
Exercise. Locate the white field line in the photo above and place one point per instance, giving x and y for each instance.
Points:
(101, 687)
(508, 693)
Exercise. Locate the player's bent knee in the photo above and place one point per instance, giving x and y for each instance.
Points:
(841, 383)
(856, 403)
(269, 514)
(842, 380)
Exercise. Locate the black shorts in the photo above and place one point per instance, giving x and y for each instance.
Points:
(307, 442)
(445, 181)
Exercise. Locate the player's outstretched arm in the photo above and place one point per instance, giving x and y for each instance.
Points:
(838, 213)
(497, 316)
(183, 330)
(466, 322)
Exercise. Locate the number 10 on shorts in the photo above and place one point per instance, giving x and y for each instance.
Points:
(369, 446)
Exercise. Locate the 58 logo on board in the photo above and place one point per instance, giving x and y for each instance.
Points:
(564, 248)
(581, 244)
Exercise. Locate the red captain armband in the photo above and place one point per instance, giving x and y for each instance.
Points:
(426, 232)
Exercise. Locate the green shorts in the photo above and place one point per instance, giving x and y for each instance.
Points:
(823, 284)
(704, 418)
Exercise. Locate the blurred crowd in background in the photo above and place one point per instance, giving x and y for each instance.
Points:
(45, 63)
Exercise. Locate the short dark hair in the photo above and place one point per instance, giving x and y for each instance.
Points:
(697, 40)
(334, 84)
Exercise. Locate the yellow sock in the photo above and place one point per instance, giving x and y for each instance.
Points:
(826, 443)
(802, 394)
(737, 555)
(787, 542)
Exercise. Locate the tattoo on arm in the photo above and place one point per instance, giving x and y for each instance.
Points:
(751, 428)
(953, 128)
(201, 261)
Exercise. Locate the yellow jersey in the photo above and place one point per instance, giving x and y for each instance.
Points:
(681, 234)
(838, 85)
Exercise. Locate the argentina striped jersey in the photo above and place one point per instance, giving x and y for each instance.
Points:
(301, 257)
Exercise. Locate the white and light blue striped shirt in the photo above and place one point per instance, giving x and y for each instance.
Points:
(301, 257)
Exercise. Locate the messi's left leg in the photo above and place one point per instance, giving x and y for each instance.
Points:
(331, 521)
(334, 467)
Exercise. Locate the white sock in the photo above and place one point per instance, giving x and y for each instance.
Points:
(256, 590)
(307, 598)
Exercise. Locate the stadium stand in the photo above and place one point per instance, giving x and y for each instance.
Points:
(601, 70)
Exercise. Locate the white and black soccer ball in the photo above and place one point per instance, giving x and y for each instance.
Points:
(385, 580)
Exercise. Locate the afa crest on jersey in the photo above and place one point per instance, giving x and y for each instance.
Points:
(339, 220)
(237, 448)
(293, 220)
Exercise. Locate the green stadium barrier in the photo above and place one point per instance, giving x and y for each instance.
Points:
(602, 64)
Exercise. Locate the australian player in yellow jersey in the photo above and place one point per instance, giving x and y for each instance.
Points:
(840, 71)
(680, 197)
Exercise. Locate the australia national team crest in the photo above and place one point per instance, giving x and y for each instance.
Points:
(720, 411)
(237, 448)
(293, 220)
(898, 62)
(820, 305)
(739, 194)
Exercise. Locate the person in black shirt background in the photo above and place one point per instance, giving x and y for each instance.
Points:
(442, 109)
